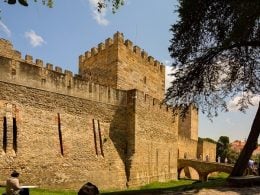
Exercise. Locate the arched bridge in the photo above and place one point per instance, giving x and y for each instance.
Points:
(203, 167)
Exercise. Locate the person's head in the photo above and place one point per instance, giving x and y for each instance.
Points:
(14, 174)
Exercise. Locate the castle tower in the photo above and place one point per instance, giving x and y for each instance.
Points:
(119, 64)
(188, 126)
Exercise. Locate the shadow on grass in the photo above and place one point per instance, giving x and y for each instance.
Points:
(195, 186)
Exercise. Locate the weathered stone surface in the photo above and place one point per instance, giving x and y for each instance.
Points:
(104, 125)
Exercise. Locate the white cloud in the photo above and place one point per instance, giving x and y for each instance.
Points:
(168, 78)
(5, 29)
(99, 17)
(34, 39)
(233, 104)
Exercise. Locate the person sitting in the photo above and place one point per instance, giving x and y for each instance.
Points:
(13, 186)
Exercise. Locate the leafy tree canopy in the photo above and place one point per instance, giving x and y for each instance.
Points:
(223, 147)
(216, 48)
(115, 4)
(101, 4)
(48, 3)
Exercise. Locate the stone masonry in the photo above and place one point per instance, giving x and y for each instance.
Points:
(105, 125)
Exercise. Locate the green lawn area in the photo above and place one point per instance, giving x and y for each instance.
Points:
(45, 192)
(180, 185)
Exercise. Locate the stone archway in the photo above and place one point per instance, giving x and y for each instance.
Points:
(188, 172)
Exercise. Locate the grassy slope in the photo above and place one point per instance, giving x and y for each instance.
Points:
(180, 185)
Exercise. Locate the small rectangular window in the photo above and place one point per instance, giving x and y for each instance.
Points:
(157, 161)
(14, 135)
(5, 134)
(109, 93)
(100, 139)
(90, 88)
(60, 135)
(95, 136)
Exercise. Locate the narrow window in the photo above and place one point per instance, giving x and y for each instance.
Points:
(157, 162)
(60, 135)
(144, 80)
(90, 88)
(100, 139)
(109, 95)
(4, 134)
(95, 136)
(14, 135)
(169, 163)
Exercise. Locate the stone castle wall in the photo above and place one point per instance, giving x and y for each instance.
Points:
(205, 149)
(154, 150)
(187, 148)
(38, 155)
(188, 126)
(25, 72)
(119, 64)
(60, 129)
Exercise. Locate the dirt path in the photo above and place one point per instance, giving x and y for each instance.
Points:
(216, 191)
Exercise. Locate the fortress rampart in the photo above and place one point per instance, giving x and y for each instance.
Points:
(56, 124)
(207, 150)
(187, 147)
(119, 64)
(25, 72)
(36, 74)
(136, 51)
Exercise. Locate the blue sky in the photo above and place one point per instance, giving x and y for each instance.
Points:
(59, 35)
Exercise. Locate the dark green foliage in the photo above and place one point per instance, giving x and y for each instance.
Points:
(48, 3)
(100, 4)
(232, 156)
(223, 148)
(115, 4)
(216, 48)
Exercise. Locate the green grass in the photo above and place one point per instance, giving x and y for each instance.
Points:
(220, 175)
(180, 185)
(45, 192)
(170, 184)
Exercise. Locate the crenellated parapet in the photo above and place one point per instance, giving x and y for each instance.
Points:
(149, 102)
(36, 74)
(119, 41)
(6, 49)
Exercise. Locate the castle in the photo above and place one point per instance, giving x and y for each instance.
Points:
(105, 124)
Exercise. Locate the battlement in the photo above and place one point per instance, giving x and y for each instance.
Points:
(149, 102)
(35, 74)
(6, 49)
(119, 41)
(5, 44)
(38, 74)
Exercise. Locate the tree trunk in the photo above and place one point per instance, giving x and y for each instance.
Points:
(250, 146)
